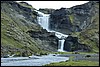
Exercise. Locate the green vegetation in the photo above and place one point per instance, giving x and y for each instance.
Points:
(61, 52)
(71, 18)
(24, 5)
(75, 34)
(75, 63)
(72, 52)
(14, 38)
(90, 35)
(14, 26)
(70, 62)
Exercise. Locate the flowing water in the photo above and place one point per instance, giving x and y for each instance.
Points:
(43, 20)
(25, 61)
(44, 23)
(61, 43)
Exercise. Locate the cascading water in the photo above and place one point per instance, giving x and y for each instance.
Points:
(61, 45)
(44, 23)
(43, 20)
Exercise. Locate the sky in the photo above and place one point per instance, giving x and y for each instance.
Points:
(54, 4)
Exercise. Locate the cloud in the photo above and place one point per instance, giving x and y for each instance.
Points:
(54, 4)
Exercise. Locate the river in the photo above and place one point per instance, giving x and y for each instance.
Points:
(25, 61)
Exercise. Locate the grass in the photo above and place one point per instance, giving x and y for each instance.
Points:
(74, 63)
(61, 52)
(17, 30)
(70, 62)
(72, 52)
(71, 18)
(24, 5)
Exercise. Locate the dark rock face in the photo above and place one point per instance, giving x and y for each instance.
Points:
(46, 11)
(72, 44)
(81, 21)
(48, 41)
(73, 19)
(60, 21)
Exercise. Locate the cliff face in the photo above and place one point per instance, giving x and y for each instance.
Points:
(16, 20)
(46, 10)
(81, 21)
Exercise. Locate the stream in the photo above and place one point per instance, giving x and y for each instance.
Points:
(26, 61)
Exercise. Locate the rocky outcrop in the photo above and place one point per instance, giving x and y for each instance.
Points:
(60, 21)
(46, 40)
(81, 21)
(46, 10)
(72, 44)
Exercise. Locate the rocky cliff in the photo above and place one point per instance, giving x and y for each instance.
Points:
(81, 21)
(46, 10)
(17, 19)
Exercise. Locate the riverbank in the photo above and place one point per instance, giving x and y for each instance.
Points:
(78, 60)
(75, 63)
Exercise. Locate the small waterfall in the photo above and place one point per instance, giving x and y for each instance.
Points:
(61, 41)
(61, 45)
(43, 20)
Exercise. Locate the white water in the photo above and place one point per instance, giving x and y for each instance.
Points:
(25, 61)
(61, 45)
(44, 23)
(43, 20)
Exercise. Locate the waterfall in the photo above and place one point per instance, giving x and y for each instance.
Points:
(43, 20)
(61, 41)
(61, 45)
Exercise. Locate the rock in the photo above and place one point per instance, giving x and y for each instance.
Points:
(49, 40)
(46, 11)
(72, 44)
(6, 56)
(88, 56)
(81, 21)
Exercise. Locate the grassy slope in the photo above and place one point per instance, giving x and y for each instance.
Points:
(90, 35)
(13, 31)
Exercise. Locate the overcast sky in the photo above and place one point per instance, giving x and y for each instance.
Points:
(54, 4)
